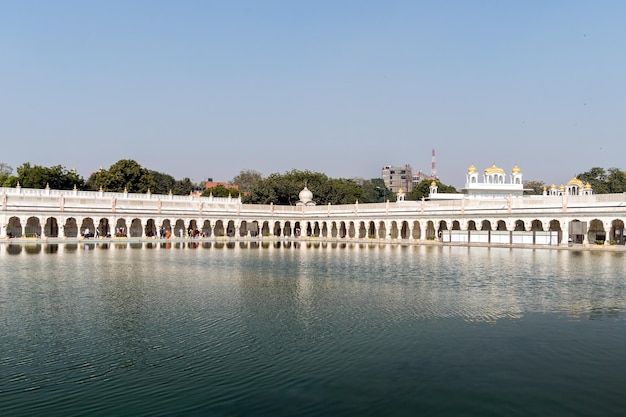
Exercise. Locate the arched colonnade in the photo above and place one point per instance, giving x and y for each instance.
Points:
(594, 229)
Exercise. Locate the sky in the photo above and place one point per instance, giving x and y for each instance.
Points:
(203, 89)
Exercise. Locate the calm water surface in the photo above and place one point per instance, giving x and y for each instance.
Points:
(319, 330)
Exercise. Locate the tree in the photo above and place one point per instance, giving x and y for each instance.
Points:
(5, 168)
(616, 180)
(56, 177)
(183, 187)
(246, 179)
(163, 183)
(375, 191)
(422, 190)
(220, 191)
(534, 187)
(124, 175)
(596, 176)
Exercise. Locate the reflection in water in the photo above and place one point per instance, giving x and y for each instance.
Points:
(321, 329)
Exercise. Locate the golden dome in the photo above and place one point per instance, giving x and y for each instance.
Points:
(471, 169)
(400, 191)
(515, 170)
(575, 181)
(587, 186)
(433, 184)
(494, 170)
(562, 187)
(552, 186)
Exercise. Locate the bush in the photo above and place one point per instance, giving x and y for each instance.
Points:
(598, 242)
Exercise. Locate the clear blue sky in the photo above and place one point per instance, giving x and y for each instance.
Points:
(209, 88)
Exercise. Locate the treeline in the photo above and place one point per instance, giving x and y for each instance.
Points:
(280, 189)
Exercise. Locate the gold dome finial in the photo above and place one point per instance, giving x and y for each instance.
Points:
(471, 169)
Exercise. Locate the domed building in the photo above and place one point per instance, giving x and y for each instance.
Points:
(305, 198)
(494, 183)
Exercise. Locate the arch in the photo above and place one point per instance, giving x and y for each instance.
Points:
(297, 229)
(51, 228)
(33, 227)
(596, 231)
(14, 227)
(362, 230)
(324, 229)
(265, 229)
(316, 229)
(243, 228)
(577, 231)
(536, 225)
(431, 233)
(342, 229)
(277, 230)
(351, 230)
(136, 230)
(70, 229)
(501, 226)
(150, 229)
(371, 230)
(103, 228)
(121, 229)
(456, 225)
(471, 225)
(519, 226)
(405, 231)
(167, 228)
(485, 225)
(616, 233)
(230, 228)
(393, 230)
(179, 228)
(555, 226)
(287, 229)
(382, 230)
(417, 230)
(87, 227)
(206, 228)
(192, 230)
(254, 229)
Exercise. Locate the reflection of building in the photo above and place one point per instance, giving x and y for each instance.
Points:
(397, 178)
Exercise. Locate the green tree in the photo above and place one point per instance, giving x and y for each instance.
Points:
(163, 183)
(221, 191)
(596, 176)
(375, 191)
(534, 187)
(56, 177)
(183, 187)
(422, 190)
(124, 175)
(616, 180)
(6, 168)
(246, 180)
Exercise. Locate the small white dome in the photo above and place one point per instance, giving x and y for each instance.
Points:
(305, 195)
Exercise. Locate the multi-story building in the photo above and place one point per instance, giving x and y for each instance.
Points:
(398, 178)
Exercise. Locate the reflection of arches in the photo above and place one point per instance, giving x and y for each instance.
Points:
(471, 225)
(536, 226)
(486, 225)
(33, 227)
(417, 230)
(596, 231)
(617, 232)
(519, 226)
(14, 227)
(71, 228)
(501, 226)
(51, 228)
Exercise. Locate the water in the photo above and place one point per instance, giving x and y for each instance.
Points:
(318, 330)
